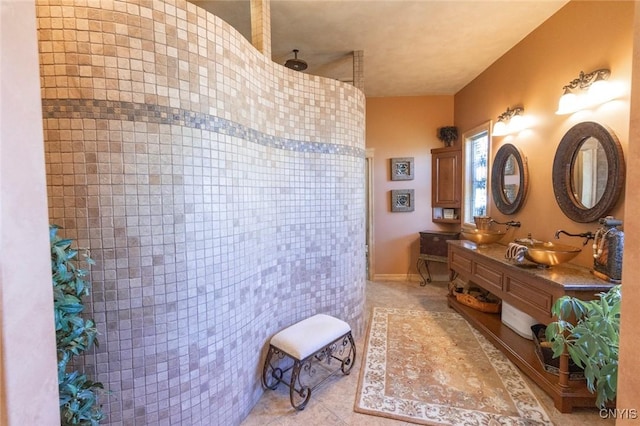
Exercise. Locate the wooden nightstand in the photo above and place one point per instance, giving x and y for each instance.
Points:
(433, 247)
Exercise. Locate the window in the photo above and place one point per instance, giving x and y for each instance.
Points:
(476, 161)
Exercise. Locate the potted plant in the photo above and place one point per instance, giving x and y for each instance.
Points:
(448, 134)
(74, 334)
(591, 340)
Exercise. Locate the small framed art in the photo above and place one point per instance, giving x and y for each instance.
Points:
(402, 200)
(402, 168)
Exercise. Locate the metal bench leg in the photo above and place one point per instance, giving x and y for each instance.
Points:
(349, 360)
(303, 392)
(271, 377)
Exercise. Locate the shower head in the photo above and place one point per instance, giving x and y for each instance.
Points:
(295, 63)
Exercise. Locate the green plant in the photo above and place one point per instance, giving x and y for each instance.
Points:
(74, 334)
(448, 134)
(592, 341)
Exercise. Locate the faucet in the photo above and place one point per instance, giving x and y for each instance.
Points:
(510, 224)
(586, 235)
(529, 240)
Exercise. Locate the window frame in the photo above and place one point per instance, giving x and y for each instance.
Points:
(467, 138)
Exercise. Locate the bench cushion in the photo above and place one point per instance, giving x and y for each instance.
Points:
(308, 336)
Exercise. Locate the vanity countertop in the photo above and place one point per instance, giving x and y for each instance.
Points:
(571, 277)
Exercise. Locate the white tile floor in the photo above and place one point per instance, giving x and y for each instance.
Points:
(332, 403)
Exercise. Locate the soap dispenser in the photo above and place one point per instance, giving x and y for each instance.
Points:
(608, 244)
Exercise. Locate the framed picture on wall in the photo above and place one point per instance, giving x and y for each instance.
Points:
(402, 168)
(402, 200)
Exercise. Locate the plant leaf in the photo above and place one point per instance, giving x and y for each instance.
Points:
(78, 398)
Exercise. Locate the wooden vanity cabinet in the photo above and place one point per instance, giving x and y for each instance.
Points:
(533, 291)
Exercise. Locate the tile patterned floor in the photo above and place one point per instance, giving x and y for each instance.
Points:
(332, 403)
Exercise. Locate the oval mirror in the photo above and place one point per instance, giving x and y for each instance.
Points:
(509, 179)
(588, 172)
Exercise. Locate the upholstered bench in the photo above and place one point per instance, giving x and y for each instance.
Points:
(318, 338)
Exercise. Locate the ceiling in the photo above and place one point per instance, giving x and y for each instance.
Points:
(411, 48)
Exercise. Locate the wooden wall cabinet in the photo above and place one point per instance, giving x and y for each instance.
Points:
(446, 184)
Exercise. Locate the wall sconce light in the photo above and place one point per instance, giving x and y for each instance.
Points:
(510, 121)
(585, 91)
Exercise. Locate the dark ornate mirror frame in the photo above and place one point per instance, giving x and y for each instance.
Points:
(497, 179)
(563, 171)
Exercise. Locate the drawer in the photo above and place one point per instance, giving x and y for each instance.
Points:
(435, 243)
(530, 294)
(460, 263)
(487, 277)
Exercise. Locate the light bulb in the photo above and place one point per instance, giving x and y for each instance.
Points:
(516, 123)
(568, 103)
(599, 92)
(500, 128)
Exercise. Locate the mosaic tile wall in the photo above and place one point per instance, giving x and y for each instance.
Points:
(222, 196)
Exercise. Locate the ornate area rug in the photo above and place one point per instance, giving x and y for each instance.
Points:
(433, 368)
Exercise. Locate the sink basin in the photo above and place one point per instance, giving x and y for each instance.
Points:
(550, 254)
(482, 236)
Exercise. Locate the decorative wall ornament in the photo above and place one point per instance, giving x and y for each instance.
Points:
(402, 168)
(402, 200)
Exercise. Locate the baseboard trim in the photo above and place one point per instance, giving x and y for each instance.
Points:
(397, 277)
(407, 277)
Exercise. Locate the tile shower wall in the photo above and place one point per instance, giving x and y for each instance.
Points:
(220, 194)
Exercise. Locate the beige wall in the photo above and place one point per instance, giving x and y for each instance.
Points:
(28, 380)
(581, 36)
(403, 127)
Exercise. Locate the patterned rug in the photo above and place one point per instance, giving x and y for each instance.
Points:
(433, 368)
